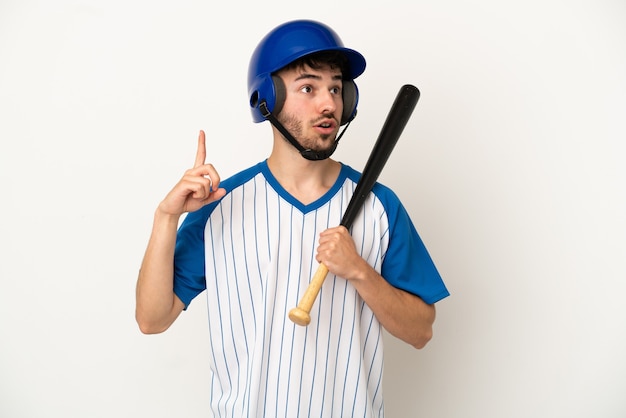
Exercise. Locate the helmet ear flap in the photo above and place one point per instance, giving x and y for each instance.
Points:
(350, 95)
(263, 98)
(280, 94)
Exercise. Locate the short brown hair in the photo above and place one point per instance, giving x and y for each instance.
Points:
(316, 60)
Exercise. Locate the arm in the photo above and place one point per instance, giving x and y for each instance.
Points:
(402, 314)
(156, 304)
(157, 307)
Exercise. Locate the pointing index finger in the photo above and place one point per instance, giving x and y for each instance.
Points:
(201, 152)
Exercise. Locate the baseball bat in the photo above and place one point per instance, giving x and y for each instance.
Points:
(397, 118)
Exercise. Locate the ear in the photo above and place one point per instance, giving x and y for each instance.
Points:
(350, 99)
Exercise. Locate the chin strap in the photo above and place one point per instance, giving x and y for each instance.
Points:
(308, 154)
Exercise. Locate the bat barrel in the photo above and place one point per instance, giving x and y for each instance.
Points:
(397, 118)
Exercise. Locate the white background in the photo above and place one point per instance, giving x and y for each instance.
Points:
(512, 167)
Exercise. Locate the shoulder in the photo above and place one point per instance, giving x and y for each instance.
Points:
(242, 177)
(231, 183)
(382, 192)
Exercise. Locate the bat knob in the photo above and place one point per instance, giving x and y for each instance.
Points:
(299, 316)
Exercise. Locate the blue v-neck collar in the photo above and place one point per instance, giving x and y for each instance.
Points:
(295, 202)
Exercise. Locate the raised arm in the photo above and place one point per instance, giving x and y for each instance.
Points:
(157, 307)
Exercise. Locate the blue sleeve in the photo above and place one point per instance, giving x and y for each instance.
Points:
(189, 265)
(407, 264)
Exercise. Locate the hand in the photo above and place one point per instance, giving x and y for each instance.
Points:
(198, 187)
(338, 253)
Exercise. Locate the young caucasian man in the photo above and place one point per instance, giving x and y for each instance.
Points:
(253, 241)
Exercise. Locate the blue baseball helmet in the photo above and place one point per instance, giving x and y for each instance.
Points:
(287, 43)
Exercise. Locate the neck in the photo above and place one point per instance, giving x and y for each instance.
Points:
(305, 180)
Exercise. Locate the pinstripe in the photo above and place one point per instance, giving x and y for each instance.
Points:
(229, 317)
(272, 323)
(300, 235)
(317, 329)
(341, 335)
(238, 292)
(357, 393)
(282, 337)
(231, 306)
(329, 337)
(346, 379)
(306, 335)
(214, 387)
(250, 297)
(220, 329)
(254, 250)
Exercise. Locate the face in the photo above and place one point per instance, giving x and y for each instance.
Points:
(313, 105)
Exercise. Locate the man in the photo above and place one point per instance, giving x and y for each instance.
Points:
(253, 241)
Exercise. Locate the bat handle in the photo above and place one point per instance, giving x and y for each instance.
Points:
(300, 315)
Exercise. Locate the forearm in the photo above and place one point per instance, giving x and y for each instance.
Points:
(402, 314)
(156, 305)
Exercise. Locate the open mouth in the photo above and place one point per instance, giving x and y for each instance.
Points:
(326, 124)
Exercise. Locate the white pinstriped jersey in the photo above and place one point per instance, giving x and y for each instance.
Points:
(254, 254)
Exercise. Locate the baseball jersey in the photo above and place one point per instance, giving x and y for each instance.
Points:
(253, 252)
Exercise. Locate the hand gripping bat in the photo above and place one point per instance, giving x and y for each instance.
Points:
(397, 118)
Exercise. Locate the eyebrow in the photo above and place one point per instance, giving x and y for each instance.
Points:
(305, 76)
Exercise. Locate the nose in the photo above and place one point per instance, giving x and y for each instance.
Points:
(328, 102)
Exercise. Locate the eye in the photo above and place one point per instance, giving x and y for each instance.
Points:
(306, 89)
(336, 90)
